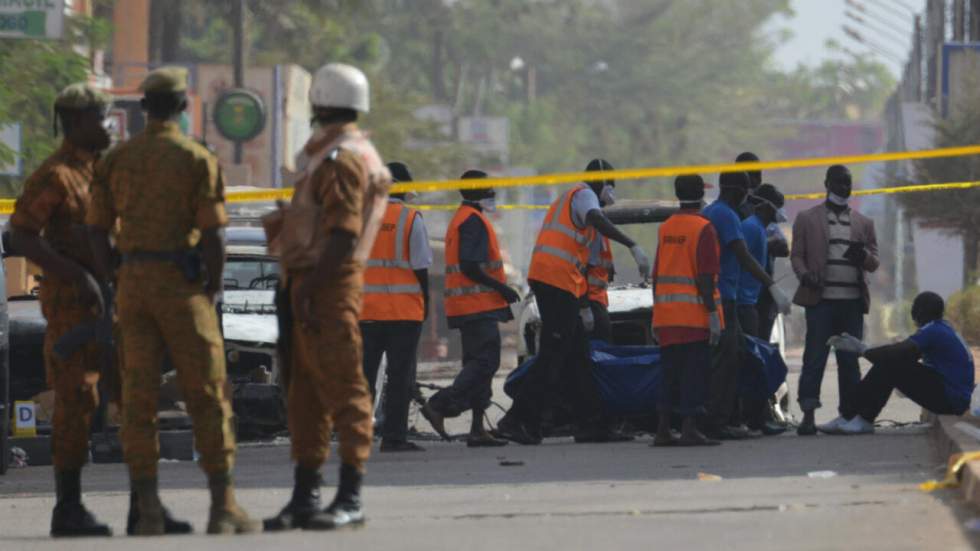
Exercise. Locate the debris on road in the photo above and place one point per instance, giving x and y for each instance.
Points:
(18, 458)
(707, 477)
(506, 463)
(821, 474)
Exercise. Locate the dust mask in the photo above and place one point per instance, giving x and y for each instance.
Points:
(608, 195)
(488, 204)
(837, 199)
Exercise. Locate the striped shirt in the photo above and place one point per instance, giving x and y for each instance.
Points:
(842, 278)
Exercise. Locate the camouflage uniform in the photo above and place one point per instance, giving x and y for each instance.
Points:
(163, 188)
(328, 389)
(55, 201)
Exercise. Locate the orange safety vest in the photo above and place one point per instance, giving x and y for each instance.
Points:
(391, 290)
(464, 296)
(561, 254)
(598, 275)
(676, 301)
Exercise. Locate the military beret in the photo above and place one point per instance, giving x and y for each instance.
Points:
(165, 80)
(81, 96)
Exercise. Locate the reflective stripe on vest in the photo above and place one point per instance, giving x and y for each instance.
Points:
(561, 253)
(464, 296)
(677, 301)
(600, 274)
(391, 288)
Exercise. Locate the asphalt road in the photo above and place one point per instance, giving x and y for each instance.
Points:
(770, 495)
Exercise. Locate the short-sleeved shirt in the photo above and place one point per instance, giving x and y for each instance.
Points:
(55, 202)
(162, 188)
(755, 240)
(419, 251)
(474, 246)
(583, 203)
(707, 264)
(729, 229)
(944, 351)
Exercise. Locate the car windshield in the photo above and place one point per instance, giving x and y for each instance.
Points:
(251, 273)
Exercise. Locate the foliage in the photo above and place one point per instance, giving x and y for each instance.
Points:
(958, 211)
(963, 311)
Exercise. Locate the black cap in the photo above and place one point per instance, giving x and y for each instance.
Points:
(768, 192)
(838, 173)
(478, 193)
(600, 165)
(734, 180)
(689, 187)
(399, 172)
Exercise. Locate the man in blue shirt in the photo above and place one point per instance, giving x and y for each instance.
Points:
(735, 256)
(766, 201)
(933, 367)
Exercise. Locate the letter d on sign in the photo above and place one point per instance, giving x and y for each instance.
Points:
(25, 424)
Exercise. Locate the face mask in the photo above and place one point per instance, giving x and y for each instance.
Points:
(781, 217)
(488, 204)
(410, 196)
(837, 199)
(608, 195)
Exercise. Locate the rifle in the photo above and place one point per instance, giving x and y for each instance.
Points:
(284, 345)
(99, 331)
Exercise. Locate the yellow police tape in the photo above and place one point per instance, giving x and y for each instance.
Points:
(952, 480)
(7, 205)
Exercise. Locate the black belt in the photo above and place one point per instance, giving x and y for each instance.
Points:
(187, 261)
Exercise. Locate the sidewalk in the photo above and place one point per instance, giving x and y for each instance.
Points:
(953, 435)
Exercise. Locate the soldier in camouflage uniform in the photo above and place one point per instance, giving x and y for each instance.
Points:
(326, 237)
(54, 203)
(166, 193)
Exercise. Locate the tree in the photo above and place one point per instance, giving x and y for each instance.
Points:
(957, 211)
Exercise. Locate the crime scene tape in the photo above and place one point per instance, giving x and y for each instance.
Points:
(952, 480)
(7, 205)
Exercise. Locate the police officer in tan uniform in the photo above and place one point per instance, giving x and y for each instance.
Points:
(166, 193)
(47, 228)
(324, 238)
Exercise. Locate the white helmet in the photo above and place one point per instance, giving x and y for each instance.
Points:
(340, 85)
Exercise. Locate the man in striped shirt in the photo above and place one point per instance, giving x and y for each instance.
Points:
(833, 247)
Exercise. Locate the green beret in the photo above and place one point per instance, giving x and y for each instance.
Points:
(82, 96)
(165, 80)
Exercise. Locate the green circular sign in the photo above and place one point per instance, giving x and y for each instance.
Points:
(239, 115)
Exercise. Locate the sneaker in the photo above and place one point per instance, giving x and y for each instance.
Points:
(858, 425)
(833, 427)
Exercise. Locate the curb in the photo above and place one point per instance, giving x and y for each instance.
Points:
(952, 435)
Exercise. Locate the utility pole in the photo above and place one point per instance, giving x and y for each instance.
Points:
(959, 20)
(975, 20)
(238, 19)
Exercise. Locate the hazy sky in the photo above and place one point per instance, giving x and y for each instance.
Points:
(817, 20)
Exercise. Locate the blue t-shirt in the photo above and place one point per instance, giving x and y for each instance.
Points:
(755, 239)
(729, 228)
(944, 351)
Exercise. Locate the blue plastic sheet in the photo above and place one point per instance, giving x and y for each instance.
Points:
(628, 376)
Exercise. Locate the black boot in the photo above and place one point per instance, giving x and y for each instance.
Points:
(302, 506)
(170, 524)
(345, 511)
(70, 517)
(808, 427)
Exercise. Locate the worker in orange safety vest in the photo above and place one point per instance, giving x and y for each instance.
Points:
(396, 302)
(477, 301)
(558, 279)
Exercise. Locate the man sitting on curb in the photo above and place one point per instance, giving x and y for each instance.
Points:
(933, 367)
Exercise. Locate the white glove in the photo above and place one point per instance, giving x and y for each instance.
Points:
(588, 320)
(847, 343)
(642, 261)
(783, 302)
(714, 328)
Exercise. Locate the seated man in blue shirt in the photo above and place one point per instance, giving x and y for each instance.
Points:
(933, 367)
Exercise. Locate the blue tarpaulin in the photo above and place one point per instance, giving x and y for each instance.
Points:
(628, 376)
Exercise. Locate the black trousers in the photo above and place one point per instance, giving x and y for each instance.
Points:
(753, 395)
(473, 387)
(921, 384)
(399, 341)
(725, 363)
(766, 309)
(603, 323)
(685, 369)
(563, 361)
